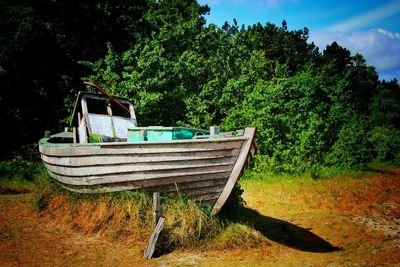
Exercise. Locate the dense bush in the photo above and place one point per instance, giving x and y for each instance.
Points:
(311, 108)
(317, 109)
(386, 142)
(23, 165)
(353, 147)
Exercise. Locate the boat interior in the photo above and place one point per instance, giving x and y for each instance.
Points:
(99, 119)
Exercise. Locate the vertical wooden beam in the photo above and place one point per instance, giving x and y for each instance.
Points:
(156, 208)
(132, 113)
(214, 130)
(83, 138)
(74, 134)
(143, 135)
(158, 223)
(85, 113)
(84, 106)
(109, 110)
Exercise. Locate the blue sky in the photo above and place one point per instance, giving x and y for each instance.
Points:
(371, 28)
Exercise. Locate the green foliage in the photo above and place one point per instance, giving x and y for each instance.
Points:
(386, 142)
(310, 108)
(18, 169)
(41, 43)
(288, 113)
(23, 165)
(304, 107)
(353, 147)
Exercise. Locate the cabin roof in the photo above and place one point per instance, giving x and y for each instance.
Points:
(78, 106)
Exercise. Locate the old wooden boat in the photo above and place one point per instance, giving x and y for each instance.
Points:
(106, 151)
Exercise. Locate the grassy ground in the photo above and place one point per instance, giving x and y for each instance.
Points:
(338, 221)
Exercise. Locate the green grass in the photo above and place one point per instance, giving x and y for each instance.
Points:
(320, 172)
(19, 175)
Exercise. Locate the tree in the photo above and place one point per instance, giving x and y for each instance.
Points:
(41, 44)
(310, 108)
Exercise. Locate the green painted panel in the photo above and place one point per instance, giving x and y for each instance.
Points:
(134, 136)
(162, 134)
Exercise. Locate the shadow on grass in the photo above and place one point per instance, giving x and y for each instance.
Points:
(14, 189)
(282, 232)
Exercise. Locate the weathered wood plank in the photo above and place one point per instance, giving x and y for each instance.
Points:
(237, 169)
(95, 160)
(193, 188)
(151, 245)
(148, 179)
(233, 133)
(73, 150)
(156, 208)
(206, 198)
(133, 168)
(206, 190)
(199, 194)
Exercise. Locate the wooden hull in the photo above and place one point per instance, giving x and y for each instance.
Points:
(205, 170)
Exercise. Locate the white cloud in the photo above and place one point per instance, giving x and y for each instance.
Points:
(385, 11)
(379, 47)
(393, 35)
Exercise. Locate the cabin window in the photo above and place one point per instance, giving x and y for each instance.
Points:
(118, 111)
(99, 106)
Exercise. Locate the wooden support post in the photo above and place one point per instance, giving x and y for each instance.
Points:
(143, 135)
(151, 246)
(158, 222)
(156, 208)
(214, 130)
(74, 134)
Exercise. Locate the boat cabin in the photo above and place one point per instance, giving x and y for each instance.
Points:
(98, 118)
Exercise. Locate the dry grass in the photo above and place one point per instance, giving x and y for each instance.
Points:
(122, 217)
(344, 193)
(238, 236)
(187, 225)
(127, 217)
(358, 214)
(336, 221)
